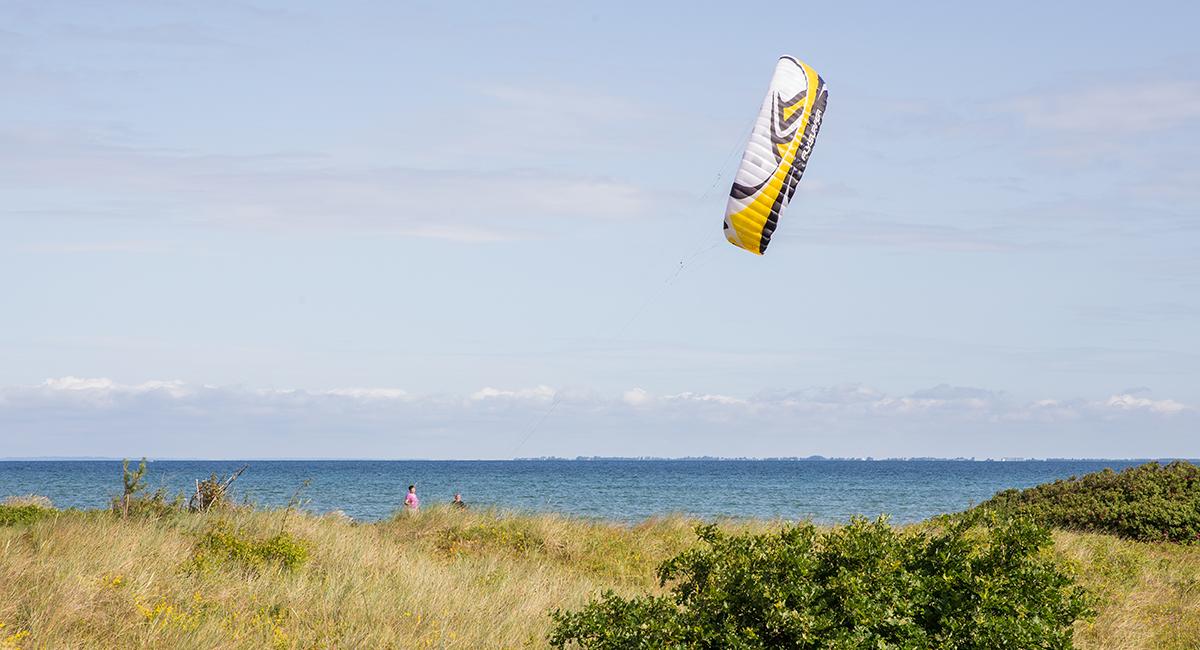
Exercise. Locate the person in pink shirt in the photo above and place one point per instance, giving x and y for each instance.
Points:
(411, 502)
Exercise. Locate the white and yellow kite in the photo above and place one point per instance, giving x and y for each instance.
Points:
(776, 155)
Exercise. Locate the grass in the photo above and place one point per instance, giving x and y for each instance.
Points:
(439, 579)
(1149, 592)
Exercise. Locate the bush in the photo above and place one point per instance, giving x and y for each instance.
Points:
(133, 499)
(1150, 502)
(865, 585)
(153, 505)
(19, 515)
(222, 545)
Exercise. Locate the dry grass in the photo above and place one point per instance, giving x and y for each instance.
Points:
(440, 579)
(1149, 592)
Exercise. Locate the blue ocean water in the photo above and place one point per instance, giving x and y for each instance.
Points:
(825, 491)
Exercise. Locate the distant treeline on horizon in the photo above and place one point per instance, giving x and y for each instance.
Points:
(846, 458)
(1004, 459)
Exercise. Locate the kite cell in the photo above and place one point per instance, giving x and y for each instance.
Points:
(776, 155)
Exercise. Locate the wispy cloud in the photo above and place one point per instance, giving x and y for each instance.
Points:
(539, 393)
(912, 235)
(1149, 312)
(1120, 107)
(171, 34)
(301, 191)
(97, 247)
(102, 416)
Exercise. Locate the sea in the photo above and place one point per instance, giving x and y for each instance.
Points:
(823, 491)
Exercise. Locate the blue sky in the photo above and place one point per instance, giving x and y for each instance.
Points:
(409, 229)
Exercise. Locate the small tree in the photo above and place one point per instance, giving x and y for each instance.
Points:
(133, 483)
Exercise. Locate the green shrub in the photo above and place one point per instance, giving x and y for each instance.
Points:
(133, 499)
(221, 545)
(132, 482)
(864, 585)
(152, 505)
(18, 515)
(1150, 502)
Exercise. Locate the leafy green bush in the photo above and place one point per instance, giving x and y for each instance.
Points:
(1150, 502)
(15, 515)
(133, 499)
(222, 545)
(151, 505)
(864, 585)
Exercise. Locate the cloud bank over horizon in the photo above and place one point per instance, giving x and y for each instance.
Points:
(71, 416)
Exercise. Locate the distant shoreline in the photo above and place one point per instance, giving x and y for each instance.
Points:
(585, 459)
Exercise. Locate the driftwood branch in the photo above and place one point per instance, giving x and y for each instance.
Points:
(212, 490)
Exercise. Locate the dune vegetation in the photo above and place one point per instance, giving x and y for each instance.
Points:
(1150, 503)
(975, 582)
(245, 578)
(237, 577)
(440, 579)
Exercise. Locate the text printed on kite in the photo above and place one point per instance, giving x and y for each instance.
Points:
(776, 154)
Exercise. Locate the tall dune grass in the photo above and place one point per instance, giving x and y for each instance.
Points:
(438, 579)
(1149, 593)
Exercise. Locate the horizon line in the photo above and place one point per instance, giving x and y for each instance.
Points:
(812, 458)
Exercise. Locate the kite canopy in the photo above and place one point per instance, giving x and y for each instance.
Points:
(776, 155)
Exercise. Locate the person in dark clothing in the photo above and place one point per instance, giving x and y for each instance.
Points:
(458, 503)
